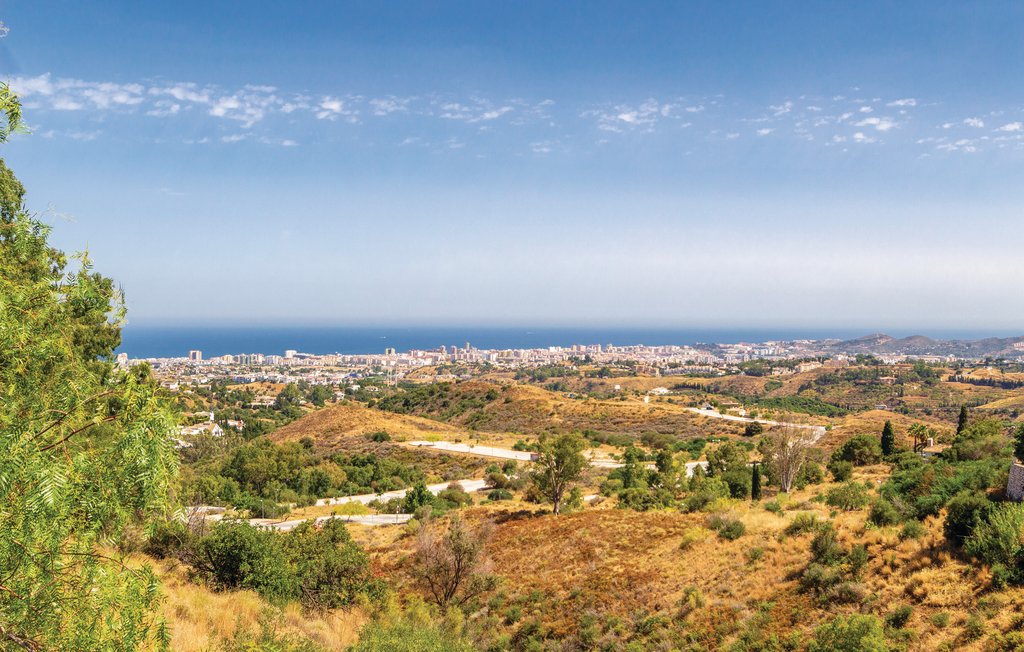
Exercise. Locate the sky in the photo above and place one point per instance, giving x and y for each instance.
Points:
(692, 164)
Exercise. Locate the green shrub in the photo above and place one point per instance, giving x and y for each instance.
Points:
(727, 527)
(848, 496)
(825, 547)
(810, 473)
(857, 560)
(706, 492)
(739, 481)
(974, 627)
(883, 513)
(499, 494)
(802, 523)
(898, 617)
(611, 486)
(940, 620)
(1000, 540)
(856, 633)
(332, 570)
(912, 530)
(859, 450)
(245, 557)
(841, 470)
(646, 499)
(820, 578)
(773, 506)
(412, 631)
(455, 496)
(964, 513)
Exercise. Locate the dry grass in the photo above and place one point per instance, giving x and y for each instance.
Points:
(200, 618)
(618, 563)
(342, 421)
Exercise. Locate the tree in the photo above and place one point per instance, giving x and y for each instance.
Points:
(861, 450)
(888, 439)
(785, 450)
(727, 457)
(753, 429)
(961, 421)
(559, 464)
(755, 483)
(921, 434)
(1018, 442)
(86, 447)
(633, 473)
(451, 566)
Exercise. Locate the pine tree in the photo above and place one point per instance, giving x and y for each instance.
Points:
(755, 483)
(888, 439)
(961, 422)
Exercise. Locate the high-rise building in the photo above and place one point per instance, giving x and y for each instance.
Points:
(195, 355)
(290, 353)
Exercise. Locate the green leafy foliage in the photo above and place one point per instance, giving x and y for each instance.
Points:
(856, 633)
(848, 496)
(805, 404)
(86, 447)
(888, 440)
(559, 465)
(860, 450)
(319, 566)
(999, 541)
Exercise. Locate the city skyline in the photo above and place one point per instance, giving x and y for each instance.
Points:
(707, 164)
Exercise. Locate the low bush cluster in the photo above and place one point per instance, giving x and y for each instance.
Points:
(321, 567)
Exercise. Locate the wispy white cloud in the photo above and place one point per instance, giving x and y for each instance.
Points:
(881, 124)
(280, 117)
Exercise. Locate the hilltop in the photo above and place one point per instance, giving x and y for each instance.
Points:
(881, 344)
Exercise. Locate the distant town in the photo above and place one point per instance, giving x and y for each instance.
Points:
(455, 361)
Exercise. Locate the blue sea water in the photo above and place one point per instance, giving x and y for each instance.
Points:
(176, 341)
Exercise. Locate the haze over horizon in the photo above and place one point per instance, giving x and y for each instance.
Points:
(713, 163)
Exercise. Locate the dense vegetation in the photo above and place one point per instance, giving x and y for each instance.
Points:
(86, 446)
(264, 477)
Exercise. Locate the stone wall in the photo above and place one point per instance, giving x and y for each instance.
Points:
(1015, 485)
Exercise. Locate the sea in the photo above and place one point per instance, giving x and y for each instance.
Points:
(176, 341)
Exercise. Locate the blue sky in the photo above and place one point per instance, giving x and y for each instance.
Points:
(747, 164)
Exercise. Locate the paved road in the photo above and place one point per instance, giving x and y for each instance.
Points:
(476, 485)
(211, 513)
(367, 519)
(817, 432)
(483, 451)
(467, 485)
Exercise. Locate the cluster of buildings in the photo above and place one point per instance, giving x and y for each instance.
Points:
(346, 369)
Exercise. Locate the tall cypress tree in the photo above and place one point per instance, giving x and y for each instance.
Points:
(961, 422)
(1018, 442)
(755, 483)
(888, 439)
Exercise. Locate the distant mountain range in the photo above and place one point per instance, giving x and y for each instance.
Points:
(882, 344)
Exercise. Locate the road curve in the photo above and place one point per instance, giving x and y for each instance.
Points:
(817, 432)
